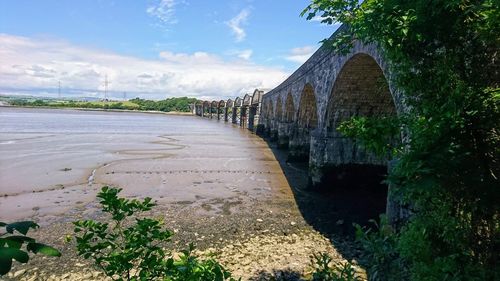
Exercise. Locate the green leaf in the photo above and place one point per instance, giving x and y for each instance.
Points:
(43, 249)
(21, 226)
(16, 254)
(5, 264)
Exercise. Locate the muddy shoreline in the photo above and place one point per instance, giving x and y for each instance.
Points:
(219, 186)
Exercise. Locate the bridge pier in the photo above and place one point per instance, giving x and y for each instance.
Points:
(299, 145)
(283, 135)
(317, 159)
(273, 131)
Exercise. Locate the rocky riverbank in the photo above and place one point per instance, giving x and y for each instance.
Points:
(272, 242)
(217, 185)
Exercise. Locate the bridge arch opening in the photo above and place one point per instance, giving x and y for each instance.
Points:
(268, 117)
(279, 110)
(351, 172)
(255, 111)
(307, 121)
(238, 102)
(282, 136)
(289, 109)
(213, 108)
(221, 109)
(244, 110)
(229, 110)
(206, 109)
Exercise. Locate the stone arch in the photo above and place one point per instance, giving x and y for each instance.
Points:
(213, 108)
(238, 103)
(279, 110)
(360, 89)
(255, 111)
(229, 110)
(247, 100)
(351, 172)
(281, 126)
(289, 116)
(221, 109)
(307, 122)
(257, 97)
(205, 109)
(268, 112)
(198, 106)
(308, 110)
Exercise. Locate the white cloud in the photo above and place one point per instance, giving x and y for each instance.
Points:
(242, 54)
(236, 24)
(300, 54)
(164, 11)
(38, 64)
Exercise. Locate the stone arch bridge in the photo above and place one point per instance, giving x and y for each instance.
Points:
(303, 112)
(242, 111)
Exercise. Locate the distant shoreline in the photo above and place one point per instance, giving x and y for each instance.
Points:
(102, 109)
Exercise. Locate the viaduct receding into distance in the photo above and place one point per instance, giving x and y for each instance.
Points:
(302, 114)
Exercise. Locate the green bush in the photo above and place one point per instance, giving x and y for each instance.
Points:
(324, 272)
(444, 58)
(11, 245)
(381, 255)
(132, 248)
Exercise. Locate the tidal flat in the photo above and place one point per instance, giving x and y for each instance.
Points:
(215, 184)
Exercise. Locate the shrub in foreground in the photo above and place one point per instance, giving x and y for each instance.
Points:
(324, 272)
(11, 245)
(132, 248)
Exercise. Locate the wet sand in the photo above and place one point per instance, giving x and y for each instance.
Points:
(215, 184)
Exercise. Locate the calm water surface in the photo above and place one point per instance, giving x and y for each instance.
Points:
(53, 160)
(28, 120)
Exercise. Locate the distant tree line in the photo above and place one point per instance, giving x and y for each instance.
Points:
(167, 105)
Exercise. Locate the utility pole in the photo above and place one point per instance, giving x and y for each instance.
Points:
(59, 89)
(124, 96)
(106, 84)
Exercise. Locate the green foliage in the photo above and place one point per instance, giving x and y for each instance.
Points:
(132, 248)
(444, 55)
(11, 245)
(324, 272)
(167, 105)
(378, 135)
(381, 252)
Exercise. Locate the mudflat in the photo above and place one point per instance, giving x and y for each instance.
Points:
(215, 184)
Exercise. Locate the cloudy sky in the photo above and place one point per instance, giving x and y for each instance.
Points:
(152, 48)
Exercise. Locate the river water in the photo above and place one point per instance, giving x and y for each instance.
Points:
(55, 160)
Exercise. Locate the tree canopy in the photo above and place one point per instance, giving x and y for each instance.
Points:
(445, 54)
